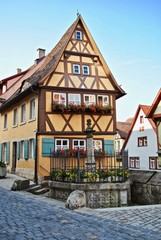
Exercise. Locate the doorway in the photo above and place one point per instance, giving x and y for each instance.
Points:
(14, 154)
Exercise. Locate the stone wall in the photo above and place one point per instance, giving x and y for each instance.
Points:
(98, 195)
(146, 187)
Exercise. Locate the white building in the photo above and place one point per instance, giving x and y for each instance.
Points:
(141, 142)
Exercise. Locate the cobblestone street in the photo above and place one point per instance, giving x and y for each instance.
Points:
(25, 216)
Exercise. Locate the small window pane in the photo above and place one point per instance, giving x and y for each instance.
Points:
(78, 35)
(76, 69)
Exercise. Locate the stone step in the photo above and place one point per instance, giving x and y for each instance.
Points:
(41, 191)
(33, 188)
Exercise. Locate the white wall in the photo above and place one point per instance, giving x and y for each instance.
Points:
(143, 152)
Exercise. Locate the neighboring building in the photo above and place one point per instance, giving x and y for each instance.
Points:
(122, 129)
(52, 102)
(155, 114)
(141, 142)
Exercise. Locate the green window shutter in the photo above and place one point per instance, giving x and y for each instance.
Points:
(47, 146)
(0, 152)
(26, 149)
(34, 148)
(18, 150)
(8, 152)
(109, 147)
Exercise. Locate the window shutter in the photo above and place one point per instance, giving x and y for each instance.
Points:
(0, 152)
(109, 147)
(8, 152)
(18, 150)
(26, 149)
(34, 148)
(47, 146)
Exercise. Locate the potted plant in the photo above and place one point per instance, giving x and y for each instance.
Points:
(3, 169)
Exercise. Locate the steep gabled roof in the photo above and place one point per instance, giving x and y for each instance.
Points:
(38, 73)
(123, 129)
(145, 109)
(154, 104)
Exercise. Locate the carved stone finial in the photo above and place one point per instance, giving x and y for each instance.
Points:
(89, 130)
(78, 13)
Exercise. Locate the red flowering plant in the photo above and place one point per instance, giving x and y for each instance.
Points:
(104, 109)
(58, 106)
(71, 107)
(91, 108)
(98, 153)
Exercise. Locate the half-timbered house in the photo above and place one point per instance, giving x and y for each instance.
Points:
(57, 95)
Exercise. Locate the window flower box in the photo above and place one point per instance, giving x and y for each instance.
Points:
(80, 108)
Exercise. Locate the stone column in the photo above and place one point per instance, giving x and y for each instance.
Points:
(91, 163)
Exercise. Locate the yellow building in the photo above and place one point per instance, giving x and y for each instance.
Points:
(51, 102)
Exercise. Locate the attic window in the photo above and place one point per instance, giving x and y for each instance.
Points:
(76, 68)
(78, 35)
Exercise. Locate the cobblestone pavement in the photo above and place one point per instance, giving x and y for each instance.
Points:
(24, 216)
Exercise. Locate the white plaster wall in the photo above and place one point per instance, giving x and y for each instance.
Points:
(146, 151)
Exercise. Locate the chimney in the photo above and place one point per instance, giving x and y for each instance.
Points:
(19, 70)
(41, 53)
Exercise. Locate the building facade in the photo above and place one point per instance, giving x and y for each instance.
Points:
(49, 108)
(141, 142)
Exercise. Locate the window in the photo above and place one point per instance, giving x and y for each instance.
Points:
(152, 162)
(22, 149)
(31, 148)
(142, 141)
(32, 109)
(134, 162)
(97, 144)
(74, 99)
(5, 121)
(76, 69)
(78, 35)
(61, 144)
(79, 143)
(89, 99)
(23, 113)
(4, 88)
(59, 98)
(85, 70)
(4, 152)
(103, 100)
(141, 119)
(15, 117)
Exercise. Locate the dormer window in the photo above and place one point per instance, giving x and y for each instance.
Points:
(76, 69)
(78, 35)
(4, 88)
(85, 70)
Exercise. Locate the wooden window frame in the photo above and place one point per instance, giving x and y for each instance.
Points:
(61, 146)
(103, 103)
(32, 113)
(79, 146)
(155, 160)
(78, 69)
(59, 101)
(23, 113)
(74, 101)
(89, 102)
(78, 35)
(5, 124)
(134, 160)
(84, 71)
(15, 117)
(142, 141)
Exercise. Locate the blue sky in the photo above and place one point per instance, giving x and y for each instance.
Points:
(128, 34)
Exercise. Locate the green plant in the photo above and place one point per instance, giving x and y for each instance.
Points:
(91, 176)
(2, 164)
